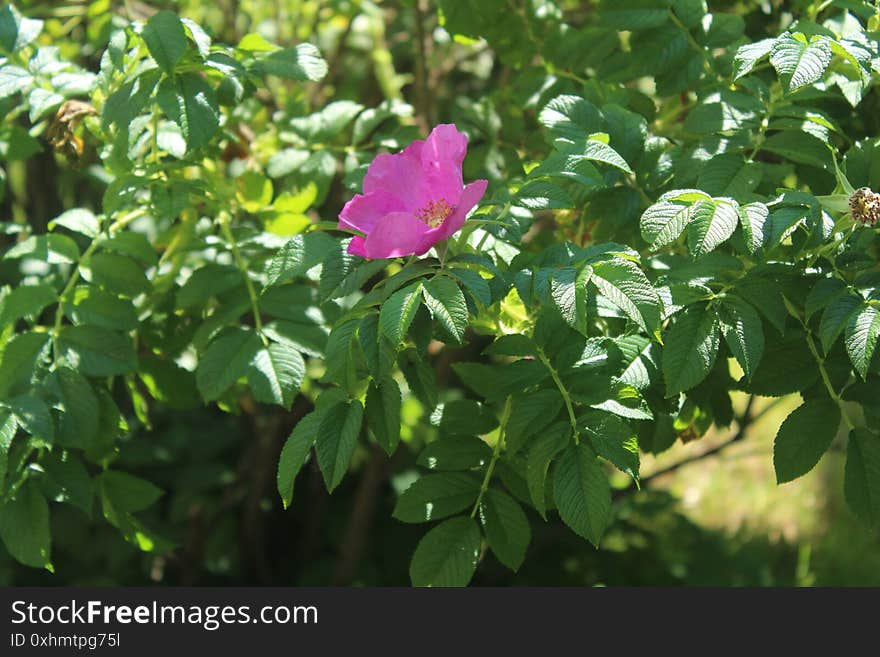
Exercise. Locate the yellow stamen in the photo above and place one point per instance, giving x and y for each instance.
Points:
(434, 213)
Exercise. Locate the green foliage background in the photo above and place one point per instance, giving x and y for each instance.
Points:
(191, 362)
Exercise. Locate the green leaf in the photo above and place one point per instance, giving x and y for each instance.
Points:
(25, 301)
(165, 37)
(126, 492)
(711, 224)
(800, 62)
(276, 372)
(615, 441)
(17, 31)
(78, 220)
(751, 220)
(91, 305)
(750, 54)
(743, 332)
(20, 358)
(206, 282)
(530, 413)
(96, 351)
(399, 311)
(568, 289)
(862, 330)
(383, 412)
(304, 62)
(542, 452)
(33, 415)
(24, 527)
(663, 222)
(294, 453)
(582, 493)
(447, 555)
(542, 195)
(599, 151)
(336, 440)
(436, 496)
(301, 253)
(836, 318)
(862, 477)
(228, 358)
(447, 305)
(803, 438)
(506, 526)
(455, 453)
(79, 424)
(119, 274)
(690, 350)
(378, 350)
(189, 101)
(626, 286)
(67, 480)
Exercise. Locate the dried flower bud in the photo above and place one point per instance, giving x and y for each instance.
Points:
(865, 206)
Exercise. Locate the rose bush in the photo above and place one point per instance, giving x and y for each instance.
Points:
(667, 206)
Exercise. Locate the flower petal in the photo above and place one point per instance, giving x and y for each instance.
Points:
(397, 234)
(441, 158)
(470, 196)
(364, 210)
(400, 172)
(356, 246)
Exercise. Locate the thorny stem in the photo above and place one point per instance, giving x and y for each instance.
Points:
(496, 452)
(562, 391)
(242, 267)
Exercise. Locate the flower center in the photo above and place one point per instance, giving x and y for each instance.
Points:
(434, 213)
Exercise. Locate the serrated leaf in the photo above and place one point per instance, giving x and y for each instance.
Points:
(800, 62)
(582, 493)
(862, 476)
(530, 413)
(276, 372)
(836, 318)
(189, 101)
(568, 289)
(383, 412)
(615, 441)
(294, 454)
(750, 54)
(862, 330)
(447, 305)
(803, 438)
(711, 225)
(543, 450)
(455, 453)
(626, 286)
(25, 301)
(336, 440)
(24, 527)
(506, 526)
(227, 359)
(78, 220)
(304, 62)
(20, 358)
(298, 255)
(399, 311)
(166, 40)
(447, 555)
(436, 496)
(751, 220)
(690, 350)
(96, 351)
(743, 332)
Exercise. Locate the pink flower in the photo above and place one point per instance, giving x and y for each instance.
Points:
(412, 199)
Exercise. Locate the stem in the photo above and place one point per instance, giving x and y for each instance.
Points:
(116, 226)
(827, 381)
(496, 452)
(242, 267)
(562, 391)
